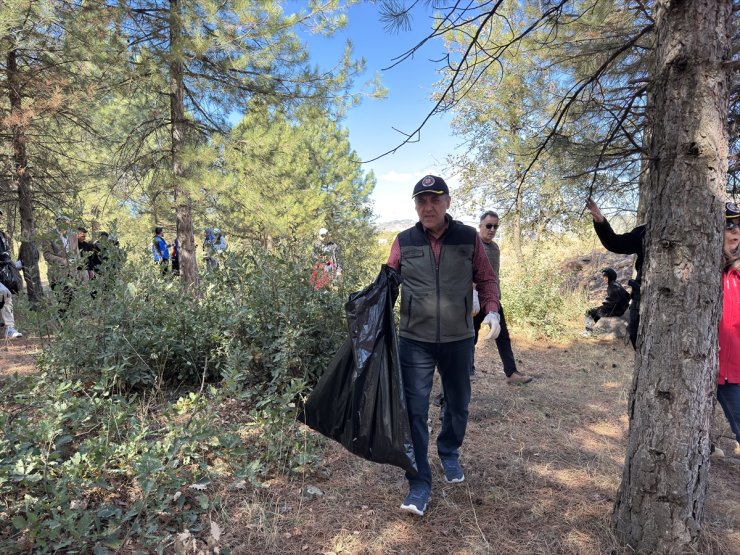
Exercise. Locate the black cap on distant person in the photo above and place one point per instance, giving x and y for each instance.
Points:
(431, 184)
(731, 210)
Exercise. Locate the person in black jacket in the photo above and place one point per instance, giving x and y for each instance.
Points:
(616, 302)
(7, 318)
(625, 243)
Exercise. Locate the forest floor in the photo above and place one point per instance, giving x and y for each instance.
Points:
(543, 462)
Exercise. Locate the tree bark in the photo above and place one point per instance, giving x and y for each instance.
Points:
(516, 230)
(644, 179)
(28, 253)
(183, 200)
(660, 504)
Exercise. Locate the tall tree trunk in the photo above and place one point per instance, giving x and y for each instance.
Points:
(660, 504)
(644, 180)
(516, 231)
(183, 200)
(29, 253)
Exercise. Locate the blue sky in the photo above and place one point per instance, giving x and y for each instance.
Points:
(409, 86)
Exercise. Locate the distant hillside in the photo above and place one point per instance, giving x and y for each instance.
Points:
(400, 225)
(394, 225)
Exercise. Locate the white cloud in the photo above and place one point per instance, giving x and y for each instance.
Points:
(398, 177)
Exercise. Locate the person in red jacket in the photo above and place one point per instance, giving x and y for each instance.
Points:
(728, 380)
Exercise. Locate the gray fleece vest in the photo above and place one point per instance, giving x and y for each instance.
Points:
(437, 300)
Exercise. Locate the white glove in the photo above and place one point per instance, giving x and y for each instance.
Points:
(476, 303)
(18, 264)
(492, 320)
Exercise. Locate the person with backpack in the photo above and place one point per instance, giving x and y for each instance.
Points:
(615, 304)
(6, 297)
(160, 250)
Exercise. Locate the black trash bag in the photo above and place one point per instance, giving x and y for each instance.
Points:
(359, 400)
(10, 277)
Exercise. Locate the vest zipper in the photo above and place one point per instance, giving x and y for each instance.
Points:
(439, 305)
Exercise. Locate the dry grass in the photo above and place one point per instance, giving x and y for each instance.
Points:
(18, 356)
(542, 461)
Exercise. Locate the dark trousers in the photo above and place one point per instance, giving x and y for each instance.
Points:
(596, 313)
(503, 341)
(453, 361)
(634, 323)
(164, 264)
(728, 396)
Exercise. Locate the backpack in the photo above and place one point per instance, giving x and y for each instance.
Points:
(10, 277)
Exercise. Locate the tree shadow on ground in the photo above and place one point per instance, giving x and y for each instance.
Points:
(543, 463)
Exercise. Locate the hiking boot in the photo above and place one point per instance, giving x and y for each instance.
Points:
(715, 452)
(416, 501)
(453, 471)
(12, 333)
(518, 378)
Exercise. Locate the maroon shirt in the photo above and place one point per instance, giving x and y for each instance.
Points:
(485, 279)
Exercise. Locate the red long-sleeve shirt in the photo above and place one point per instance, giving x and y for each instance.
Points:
(729, 329)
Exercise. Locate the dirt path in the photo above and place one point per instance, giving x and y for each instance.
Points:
(542, 464)
(18, 356)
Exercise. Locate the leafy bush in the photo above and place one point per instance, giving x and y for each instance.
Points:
(257, 320)
(153, 402)
(533, 293)
(85, 469)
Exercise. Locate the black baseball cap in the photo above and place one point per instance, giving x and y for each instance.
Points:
(731, 210)
(431, 184)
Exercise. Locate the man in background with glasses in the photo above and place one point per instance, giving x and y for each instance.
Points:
(487, 231)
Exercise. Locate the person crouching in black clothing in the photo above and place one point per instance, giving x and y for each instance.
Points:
(616, 302)
(624, 243)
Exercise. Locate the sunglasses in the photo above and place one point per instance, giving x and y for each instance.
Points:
(489, 226)
(731, 224)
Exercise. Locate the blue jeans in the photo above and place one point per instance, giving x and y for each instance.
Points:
(728, 396)
(453, 361)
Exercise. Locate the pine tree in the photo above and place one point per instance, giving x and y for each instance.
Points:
(196, 62)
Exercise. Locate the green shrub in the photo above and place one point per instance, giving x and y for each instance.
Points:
(257, 319)
(152, 401)
(533, 293)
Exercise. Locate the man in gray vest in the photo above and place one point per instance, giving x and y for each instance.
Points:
(487, 230)
(439, 260)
